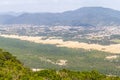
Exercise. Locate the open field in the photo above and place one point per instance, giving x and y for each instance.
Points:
(114, 48)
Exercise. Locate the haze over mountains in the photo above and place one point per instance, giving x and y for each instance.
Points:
(86, 16)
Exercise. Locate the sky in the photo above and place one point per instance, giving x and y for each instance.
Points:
(54, 5)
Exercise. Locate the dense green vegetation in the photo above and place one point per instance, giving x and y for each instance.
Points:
(36, 55)
(13, 69)
(10, 67)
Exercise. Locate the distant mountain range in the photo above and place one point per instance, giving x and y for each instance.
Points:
(86, 16)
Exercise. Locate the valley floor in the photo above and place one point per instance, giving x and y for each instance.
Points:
(114, 48)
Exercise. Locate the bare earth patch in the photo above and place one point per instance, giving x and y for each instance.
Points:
(60, 62)
(35, 69)
(115, 48)
(112, 57)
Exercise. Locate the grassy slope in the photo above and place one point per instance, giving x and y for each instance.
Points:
(78, 59)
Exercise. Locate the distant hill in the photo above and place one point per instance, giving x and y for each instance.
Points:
(86, 16)
(4, 18)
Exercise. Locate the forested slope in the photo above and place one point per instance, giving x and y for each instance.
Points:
(13, 69)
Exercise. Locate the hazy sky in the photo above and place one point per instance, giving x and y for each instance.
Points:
(53, 5)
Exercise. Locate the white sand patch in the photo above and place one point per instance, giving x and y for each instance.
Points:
(115, 48)
(35, 69)
(112, 57)
(62, 62)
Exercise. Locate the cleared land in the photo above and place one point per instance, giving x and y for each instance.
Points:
(115, 48)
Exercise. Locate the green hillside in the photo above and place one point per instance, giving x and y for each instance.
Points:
(13, 69)
(39, 56)
(10, 67)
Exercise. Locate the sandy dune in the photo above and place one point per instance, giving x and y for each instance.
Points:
(115, 48)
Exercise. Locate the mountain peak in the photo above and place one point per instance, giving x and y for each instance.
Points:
(86, 16)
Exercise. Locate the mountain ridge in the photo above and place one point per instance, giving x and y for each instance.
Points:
(86, 16)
